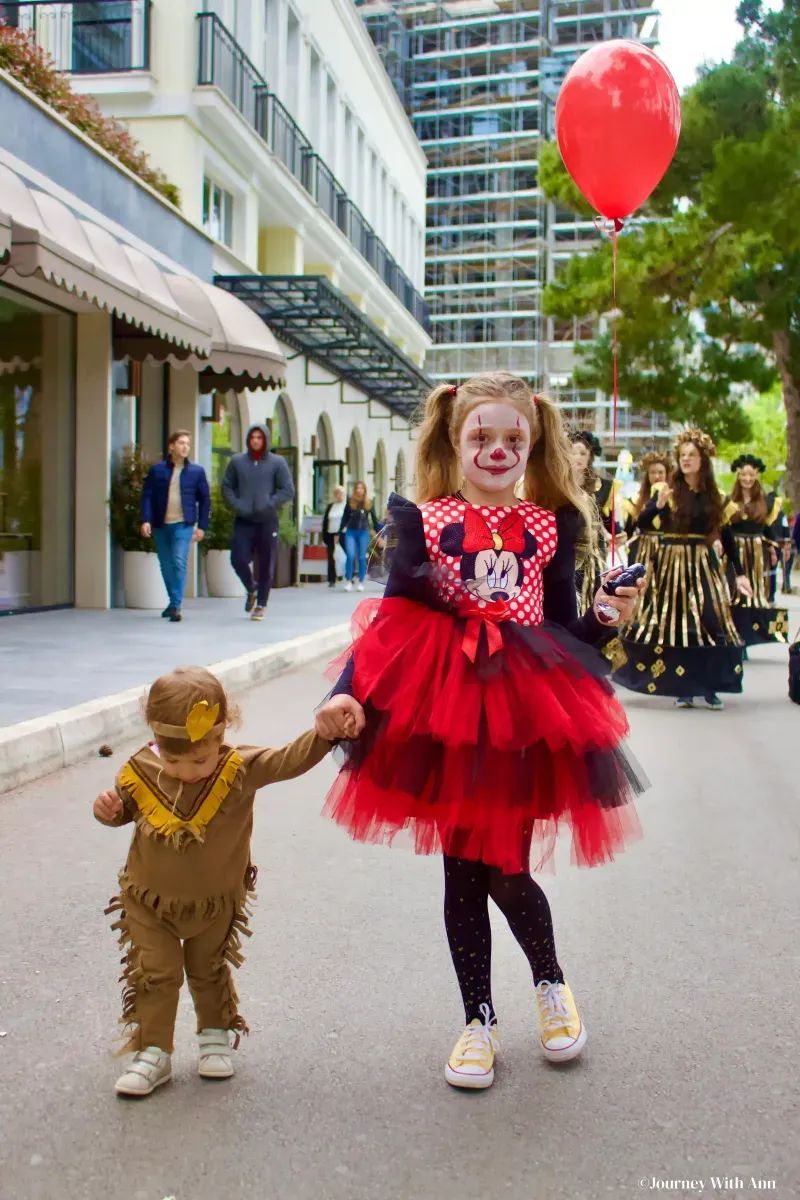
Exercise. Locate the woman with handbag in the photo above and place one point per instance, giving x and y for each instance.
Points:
(331, 520)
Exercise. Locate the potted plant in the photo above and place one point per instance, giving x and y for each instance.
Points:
(288, 537)
(221, 579)
(141, 574)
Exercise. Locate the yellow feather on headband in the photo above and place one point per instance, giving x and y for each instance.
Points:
(200, 721)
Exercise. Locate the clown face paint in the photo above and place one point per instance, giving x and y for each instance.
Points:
(494, 446)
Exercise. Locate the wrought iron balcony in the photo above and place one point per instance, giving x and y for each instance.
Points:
(90, 37)
(223, 64)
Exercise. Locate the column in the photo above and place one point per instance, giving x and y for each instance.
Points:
(281, 250)
(277, 35)
(183, 414)
(153, 435)
(92, 456)
(51, 581)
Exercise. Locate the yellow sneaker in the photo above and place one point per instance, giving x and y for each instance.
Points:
(562, 1034)
(471, 1065)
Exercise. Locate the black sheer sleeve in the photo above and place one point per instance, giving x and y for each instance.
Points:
(649, 513)
(409, 567)
(731, 549)
(560, 599)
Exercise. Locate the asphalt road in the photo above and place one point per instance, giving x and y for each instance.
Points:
(683, 957)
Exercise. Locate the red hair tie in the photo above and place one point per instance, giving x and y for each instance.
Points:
(535, 399)
(453, 391)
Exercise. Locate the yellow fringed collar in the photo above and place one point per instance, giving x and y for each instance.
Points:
(156, 807)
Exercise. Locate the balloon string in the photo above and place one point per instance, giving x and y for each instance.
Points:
(614, 401)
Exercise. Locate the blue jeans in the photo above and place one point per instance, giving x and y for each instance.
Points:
(172, 547)
(356, 541)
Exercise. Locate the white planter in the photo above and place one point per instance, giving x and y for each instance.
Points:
(142, 581)
(221, 579)
(15, 578)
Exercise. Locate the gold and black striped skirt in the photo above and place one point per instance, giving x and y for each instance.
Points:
(757, 621)
(683, 641)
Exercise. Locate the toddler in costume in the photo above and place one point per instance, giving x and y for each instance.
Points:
(489, 723)
(188, 879)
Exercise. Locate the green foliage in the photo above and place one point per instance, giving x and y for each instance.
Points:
(125, 503)
(220, 527)
(27, 62)
(556, 182)
(709, 295)
(287, 527)
(767, 418)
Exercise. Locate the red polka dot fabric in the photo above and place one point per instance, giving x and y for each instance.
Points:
(527, 605)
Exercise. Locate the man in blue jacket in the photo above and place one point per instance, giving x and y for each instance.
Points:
(256, 484)
(176, 506)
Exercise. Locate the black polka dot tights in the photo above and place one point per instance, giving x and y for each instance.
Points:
(467, 888)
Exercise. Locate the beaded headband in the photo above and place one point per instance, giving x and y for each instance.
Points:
(201, 721)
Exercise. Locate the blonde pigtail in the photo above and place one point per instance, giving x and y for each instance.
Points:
(550, 478)
(437, 462)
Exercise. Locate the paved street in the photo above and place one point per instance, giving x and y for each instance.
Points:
(683, 957)
(57, 659)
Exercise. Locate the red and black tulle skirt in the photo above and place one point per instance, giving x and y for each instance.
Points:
(485, 759)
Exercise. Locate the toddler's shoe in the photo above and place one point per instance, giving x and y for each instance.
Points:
(215, 1054)
(149, 1069)
(562, 1034)
(471, 1065)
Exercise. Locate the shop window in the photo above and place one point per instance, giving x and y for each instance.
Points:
(37, 455)
(217, 212)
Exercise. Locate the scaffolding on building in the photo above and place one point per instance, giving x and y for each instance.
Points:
(480, 79)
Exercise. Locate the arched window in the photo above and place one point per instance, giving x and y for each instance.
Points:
(282, 423)
(379, 481)
(355, 460)
(400, 473)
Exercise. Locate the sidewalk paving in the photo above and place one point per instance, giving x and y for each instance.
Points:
(55, 660)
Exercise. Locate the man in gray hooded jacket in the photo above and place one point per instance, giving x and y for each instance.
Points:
(255, 485)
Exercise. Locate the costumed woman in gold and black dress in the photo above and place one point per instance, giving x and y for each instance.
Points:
(641, 544)
(756, 518)
(585, 449)
(685, 643)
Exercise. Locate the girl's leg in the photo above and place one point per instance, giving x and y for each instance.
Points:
(363, 546)
(350, 555)
(525, 906)
(562, 1034)
(466, 920)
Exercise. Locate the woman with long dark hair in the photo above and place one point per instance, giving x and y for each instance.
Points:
(354, 531)
(685, 643)
(756, 517)
(642, 543)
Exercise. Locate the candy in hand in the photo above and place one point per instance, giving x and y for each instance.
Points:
(628, 578)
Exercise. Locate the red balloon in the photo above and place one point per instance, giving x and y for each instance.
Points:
(618, 120)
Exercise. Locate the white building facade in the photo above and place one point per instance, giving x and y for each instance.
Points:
(276, 121)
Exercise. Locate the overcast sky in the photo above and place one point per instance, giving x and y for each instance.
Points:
(695, 30)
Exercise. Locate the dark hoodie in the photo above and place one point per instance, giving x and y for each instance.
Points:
(255, 488)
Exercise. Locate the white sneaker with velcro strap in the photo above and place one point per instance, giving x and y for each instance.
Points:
(149, 1069)
(215, 1054)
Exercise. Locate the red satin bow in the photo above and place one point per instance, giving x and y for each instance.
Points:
(482, 618)
(478, 535)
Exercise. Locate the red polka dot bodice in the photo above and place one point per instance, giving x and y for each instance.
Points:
(490, 553)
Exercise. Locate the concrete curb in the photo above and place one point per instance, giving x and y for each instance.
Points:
(35, 748)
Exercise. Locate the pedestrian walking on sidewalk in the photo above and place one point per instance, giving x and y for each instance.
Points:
(176, 507)
(256, 484)
(331, 521)
(186, 888)
(489, 721)
(354, 531)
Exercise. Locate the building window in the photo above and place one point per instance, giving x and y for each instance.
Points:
(217, 212)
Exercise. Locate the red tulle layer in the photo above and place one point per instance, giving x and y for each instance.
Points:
(482, 759)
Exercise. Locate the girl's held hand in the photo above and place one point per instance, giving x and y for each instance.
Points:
(744, 585)
(341, 717)
(624, 601)
(107, 806)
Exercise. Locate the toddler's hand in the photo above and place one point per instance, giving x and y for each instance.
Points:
(341, 717)
(107, 806)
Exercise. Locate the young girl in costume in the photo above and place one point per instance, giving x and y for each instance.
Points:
(188, 880)
(488, 726)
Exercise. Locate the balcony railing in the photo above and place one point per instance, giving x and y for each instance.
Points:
(90, 37)
(223, 64)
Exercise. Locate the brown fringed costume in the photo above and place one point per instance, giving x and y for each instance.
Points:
(185, 890)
